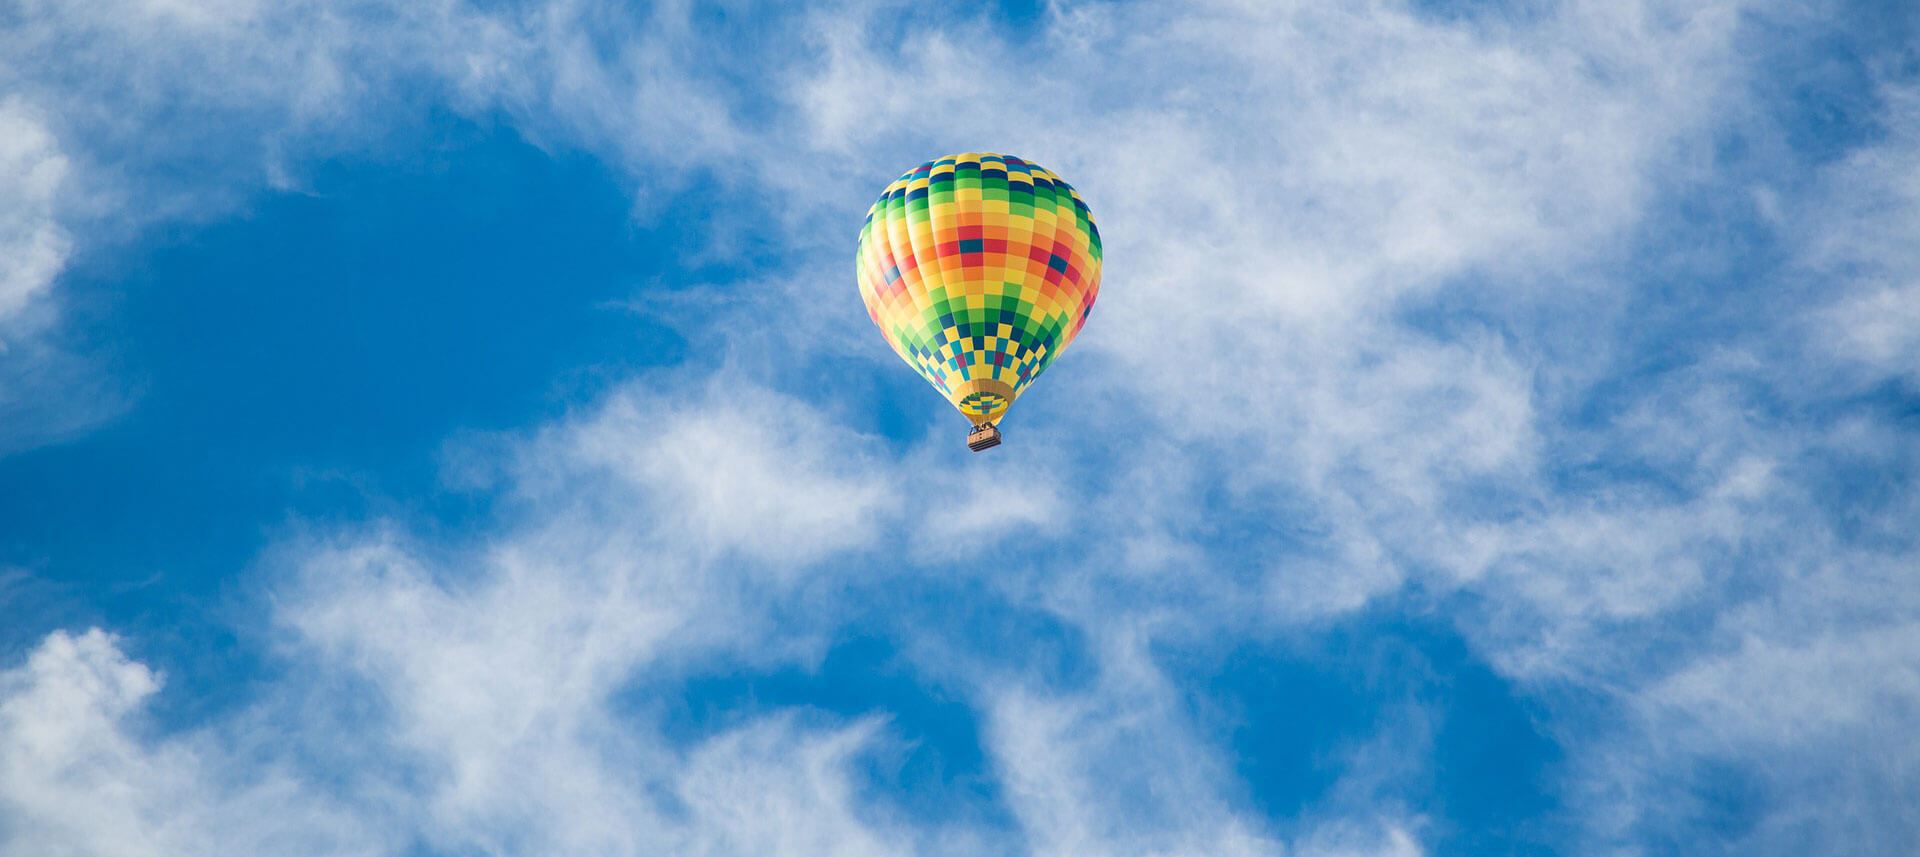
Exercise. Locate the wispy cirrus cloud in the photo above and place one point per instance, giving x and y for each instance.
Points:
(126, 115)
(33, 167)
(82, 775)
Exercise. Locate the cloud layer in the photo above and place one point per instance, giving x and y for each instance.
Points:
(1550, 333)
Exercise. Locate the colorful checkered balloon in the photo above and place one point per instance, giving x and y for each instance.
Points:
(979, 269)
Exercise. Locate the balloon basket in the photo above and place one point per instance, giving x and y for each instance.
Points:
(984, 436)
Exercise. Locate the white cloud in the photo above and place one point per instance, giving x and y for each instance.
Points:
(752, 472)
(479, 688)
(1865, 214)
(766, 790)
(33, 247)
(121, 115)
(1119, 769)
(659, 528)
(80, 776)
(1771, 692)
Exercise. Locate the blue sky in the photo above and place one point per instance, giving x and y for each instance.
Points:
(452, 428)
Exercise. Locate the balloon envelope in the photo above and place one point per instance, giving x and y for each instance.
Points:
(979, 269)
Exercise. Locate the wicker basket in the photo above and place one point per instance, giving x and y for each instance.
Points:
(983, 437)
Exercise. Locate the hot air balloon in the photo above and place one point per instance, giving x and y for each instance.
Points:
(979, 269)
